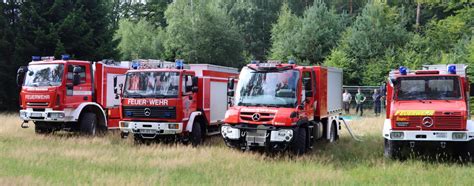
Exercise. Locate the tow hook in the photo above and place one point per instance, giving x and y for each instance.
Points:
(412, 144)
(25, 125)
(443, 145)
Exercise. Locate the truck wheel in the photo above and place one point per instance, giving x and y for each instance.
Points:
(470, 151)
(41, 129)
(392, 149)
(88, 124)
(332, 134)
(298, 145)
(196, 135)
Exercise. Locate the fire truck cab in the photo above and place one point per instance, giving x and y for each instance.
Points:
(283, 106)
(174, 102)
(68, 95)
(428, 107)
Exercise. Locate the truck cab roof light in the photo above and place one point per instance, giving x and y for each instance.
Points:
(47, 58)
(403, 70)
(253, 62)
(291, 62)
(427, 72)
(36, 58)
(179, 63)
(65, 57)
(452, 69)
(135, 64)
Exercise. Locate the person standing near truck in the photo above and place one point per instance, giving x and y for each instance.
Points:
(360, 99)
(346, 100)
(377, 102)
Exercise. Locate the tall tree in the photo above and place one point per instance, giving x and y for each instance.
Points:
(140, 40)
(201, 32)
(285, 34)
(375, 32)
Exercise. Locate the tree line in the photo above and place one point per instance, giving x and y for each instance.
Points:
(366, 38)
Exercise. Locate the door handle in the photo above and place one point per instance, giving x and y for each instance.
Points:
(86, 98)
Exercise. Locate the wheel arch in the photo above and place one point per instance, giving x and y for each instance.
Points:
(94, 108)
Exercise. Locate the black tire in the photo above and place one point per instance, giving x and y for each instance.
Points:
(195, 137)
(392, 149)
(470, 151)
(40, 128)
(88, 124)
(298, 144)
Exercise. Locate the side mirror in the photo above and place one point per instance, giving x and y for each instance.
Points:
(195, 81)
(230, 84)
(230, 93)
(76, 78)
(20, 75)
(308, 93)
(117, 91)
(115, 81)
(307, 83)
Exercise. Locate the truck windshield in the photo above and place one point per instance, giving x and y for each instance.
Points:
(151, 84)
(428, 88)
(44, 75)
(275, 88)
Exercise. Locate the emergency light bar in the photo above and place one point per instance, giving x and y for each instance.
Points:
(65, 57)
(47, 58)
(36, 58)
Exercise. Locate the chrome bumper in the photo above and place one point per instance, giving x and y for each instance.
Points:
(150, 129)
(48, 114)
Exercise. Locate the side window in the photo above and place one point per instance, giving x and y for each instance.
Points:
(187, 84)
(70, 73)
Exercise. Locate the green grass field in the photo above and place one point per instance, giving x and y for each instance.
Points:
(29, 159)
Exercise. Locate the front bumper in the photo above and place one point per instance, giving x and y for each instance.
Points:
(410, 135)
(150, 129)
(260, 136)
(48, 115)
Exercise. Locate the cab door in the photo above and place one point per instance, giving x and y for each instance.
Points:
(309, 92)
(189, 97)
(81, 91)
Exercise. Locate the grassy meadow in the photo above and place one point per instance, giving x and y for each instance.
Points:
(59, 159)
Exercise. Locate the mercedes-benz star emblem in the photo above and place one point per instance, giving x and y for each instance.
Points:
(147, 111)
(428, 122)
(256, 117)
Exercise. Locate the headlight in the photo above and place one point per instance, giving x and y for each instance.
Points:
(123, 124)
(396, 135)
(459, 135)
(56, 115)
(23, 114)
(173, 126)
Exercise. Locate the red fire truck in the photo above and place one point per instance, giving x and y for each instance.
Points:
(68, 95)
(181, 103)
(283, 106)
(427, 108)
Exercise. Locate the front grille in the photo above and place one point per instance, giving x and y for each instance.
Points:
(264, 117)
(440, 122)
(155, 112)
(37, 103)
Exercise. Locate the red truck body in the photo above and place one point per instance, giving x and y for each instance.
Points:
(52, 99)
(198, 102)
(429, 106)
(280, 106)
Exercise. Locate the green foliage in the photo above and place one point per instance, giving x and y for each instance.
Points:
(140, 40)
(285, 34)
(375, 31)
(309, 38)
(320, 31)
(202, 33)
